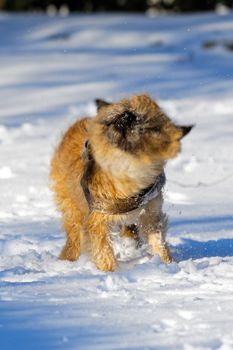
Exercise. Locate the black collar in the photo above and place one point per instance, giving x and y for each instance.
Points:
(120, 206)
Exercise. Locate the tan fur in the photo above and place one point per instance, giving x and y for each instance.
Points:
(125, 163)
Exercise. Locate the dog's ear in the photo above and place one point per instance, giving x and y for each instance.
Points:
(185, 129)
(101, 103)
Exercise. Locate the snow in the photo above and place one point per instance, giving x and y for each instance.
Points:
(51, 71)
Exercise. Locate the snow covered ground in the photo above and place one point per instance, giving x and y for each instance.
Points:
(51, 69)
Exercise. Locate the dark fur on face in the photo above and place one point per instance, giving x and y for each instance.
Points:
(139, 125)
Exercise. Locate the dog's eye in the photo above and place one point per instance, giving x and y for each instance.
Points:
(154, 129)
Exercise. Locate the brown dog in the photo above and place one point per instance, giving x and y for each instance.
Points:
(108, 170)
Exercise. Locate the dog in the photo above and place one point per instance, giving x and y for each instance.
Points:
(109, 170)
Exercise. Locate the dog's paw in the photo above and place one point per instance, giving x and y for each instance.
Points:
(70, 252)
(106, 263)
(163, 251)
(165, 255)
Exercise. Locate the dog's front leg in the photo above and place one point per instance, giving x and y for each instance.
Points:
(153, 226)
(157, 245)
(102, 253)
(71, 250)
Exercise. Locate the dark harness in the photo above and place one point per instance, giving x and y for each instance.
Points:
(120, 206)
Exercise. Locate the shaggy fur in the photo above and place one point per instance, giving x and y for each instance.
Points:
(130, 142)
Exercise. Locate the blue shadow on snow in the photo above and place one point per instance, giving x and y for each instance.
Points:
(192, 249)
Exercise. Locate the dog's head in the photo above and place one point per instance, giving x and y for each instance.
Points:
(138, 126)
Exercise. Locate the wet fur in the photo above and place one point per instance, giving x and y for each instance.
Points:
(130, 143)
